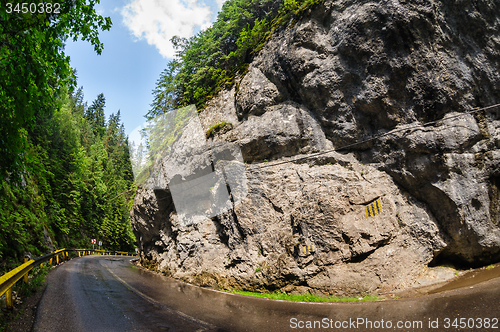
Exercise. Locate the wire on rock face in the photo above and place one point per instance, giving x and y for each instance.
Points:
(411, 127)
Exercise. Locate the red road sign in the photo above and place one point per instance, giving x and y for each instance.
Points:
(93, 241)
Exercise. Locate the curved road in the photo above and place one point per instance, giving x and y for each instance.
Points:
(106, 293)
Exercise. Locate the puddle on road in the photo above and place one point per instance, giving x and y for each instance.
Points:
(464, 280)
(469, 279)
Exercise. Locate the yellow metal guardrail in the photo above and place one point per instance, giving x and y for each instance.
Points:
(85, 252)
(9, 279)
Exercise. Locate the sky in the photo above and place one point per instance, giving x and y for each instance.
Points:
(136, 50)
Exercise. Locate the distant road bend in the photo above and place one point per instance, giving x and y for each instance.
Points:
(105, 293)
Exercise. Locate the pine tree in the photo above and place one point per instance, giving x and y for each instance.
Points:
(95, 115)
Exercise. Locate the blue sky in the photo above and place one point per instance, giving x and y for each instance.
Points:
(136, 50)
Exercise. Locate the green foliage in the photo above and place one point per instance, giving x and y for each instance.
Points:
(210, 60)
(77, 184)
(65, 172)
(217, 127)
(95, 115)
(36, 281)
(34, 69)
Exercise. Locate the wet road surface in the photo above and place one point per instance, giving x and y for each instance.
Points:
(105, 293)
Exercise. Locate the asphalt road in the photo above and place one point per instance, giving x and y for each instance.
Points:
(105, 293)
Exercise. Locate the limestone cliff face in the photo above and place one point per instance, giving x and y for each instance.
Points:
(349, 71)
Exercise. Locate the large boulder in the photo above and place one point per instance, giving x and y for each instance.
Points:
(366, 68)
(300, 225)
(414, 179)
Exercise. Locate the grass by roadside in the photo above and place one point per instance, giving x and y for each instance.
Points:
(26, 297)
(304, 297)
(36, 280)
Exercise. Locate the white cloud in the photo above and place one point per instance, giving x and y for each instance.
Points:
(158, 21)
(220, 3)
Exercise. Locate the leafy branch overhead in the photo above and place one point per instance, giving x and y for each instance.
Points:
(210, 60)
(34, 68)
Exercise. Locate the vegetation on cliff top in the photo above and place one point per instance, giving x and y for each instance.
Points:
(210, 60)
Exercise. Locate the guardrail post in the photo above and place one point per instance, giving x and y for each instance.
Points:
(57, 259)
(8, 298)
(26, 275)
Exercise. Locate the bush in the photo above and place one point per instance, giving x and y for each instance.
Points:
(218, 127)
